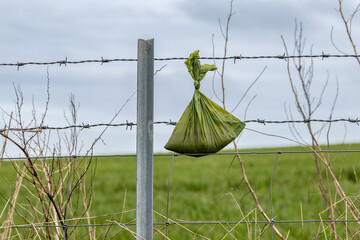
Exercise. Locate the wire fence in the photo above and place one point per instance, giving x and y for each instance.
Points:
(129, 125)
(168, 223)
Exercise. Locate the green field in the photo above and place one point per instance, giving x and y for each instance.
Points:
(211, 189)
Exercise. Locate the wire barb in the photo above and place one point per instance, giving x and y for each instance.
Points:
(325, 56)
(63, 62)
(85, 126)
(237, 57)
(261, 121)
(104, 60)
(19, 65)
(282, 57)
(129, 124)
(354, 121)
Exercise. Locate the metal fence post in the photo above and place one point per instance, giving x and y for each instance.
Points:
(144, 141)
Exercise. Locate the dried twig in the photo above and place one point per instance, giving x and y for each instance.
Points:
(306, 111)
(347, 23)
(246, 180)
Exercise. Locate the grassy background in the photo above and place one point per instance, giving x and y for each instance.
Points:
(210, 188)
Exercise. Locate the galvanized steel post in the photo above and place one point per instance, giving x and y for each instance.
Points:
(144, 141)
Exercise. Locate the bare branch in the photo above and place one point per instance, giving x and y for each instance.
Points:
(248, 89)
(291, 82)
(216, 71)
(348, 28)
(158, 70)
(226, 37)
(322, 93)
(331, 113)
(357, 9)
(333, 42)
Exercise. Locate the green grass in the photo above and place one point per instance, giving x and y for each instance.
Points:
(211, 188)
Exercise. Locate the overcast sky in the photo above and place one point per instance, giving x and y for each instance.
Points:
(47, 31)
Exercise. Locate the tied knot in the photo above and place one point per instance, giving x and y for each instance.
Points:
(197, 85)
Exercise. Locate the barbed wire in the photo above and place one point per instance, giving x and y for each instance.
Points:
(129, 125)
(305, 121)
(238, 57)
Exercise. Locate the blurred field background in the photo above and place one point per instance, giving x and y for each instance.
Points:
(210, 189)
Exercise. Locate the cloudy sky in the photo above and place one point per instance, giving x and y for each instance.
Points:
(78, 30)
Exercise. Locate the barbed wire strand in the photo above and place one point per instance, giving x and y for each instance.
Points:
(130, 125)
(238, 57)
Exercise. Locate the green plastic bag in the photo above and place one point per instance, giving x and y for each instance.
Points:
(204, 127)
